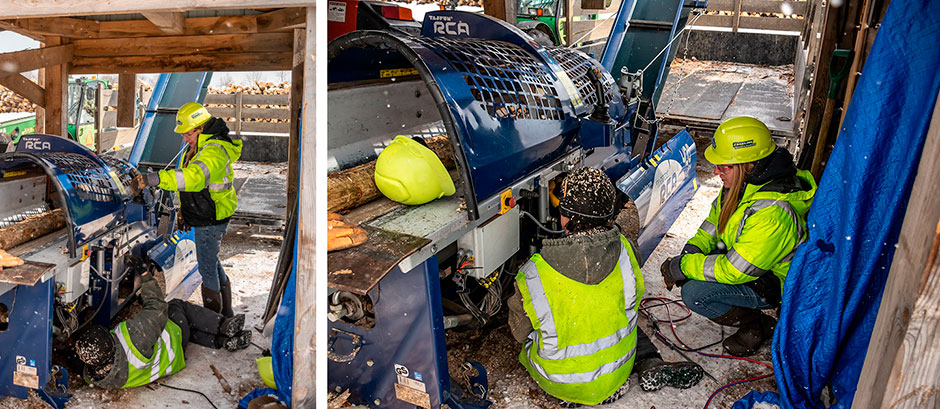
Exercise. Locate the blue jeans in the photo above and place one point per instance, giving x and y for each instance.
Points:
(208, 239)
(712, 299)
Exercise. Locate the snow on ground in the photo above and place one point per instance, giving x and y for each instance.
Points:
(249, 256)
(511, 386)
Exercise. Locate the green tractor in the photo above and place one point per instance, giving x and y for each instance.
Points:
(81, 109)
(544, 20)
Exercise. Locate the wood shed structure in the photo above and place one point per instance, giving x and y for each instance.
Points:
(145, 36)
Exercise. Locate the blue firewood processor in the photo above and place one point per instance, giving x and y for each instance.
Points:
(518, 116)
(88, 242)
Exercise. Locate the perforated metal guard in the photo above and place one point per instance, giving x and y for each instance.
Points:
(575, 63)
(126, 173)
(87, 177)
(506, 80)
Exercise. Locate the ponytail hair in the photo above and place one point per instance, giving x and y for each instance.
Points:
(733, 194)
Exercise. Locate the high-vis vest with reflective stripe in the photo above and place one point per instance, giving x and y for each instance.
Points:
(167, 356)
(761, 236)
(210, 169)
(583, 341)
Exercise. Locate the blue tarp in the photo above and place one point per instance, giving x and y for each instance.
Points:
(834, 286)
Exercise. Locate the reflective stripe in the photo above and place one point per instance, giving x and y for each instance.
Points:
(743, 265)
(171, 355)
(220, 186)
(205, 171)
(708, 270)
(761, 204)
(155, 361)
(789, 257)
(180, 180)
(709, 228)
(580, 377)
(131, 357)
(543, 312)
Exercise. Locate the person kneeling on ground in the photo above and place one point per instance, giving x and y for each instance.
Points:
(150, 345)
(576, 302)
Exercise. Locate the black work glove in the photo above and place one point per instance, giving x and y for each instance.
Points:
(152, 179)
(691, 249)
(672, 272)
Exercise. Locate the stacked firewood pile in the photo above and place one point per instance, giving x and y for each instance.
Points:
(256, 88)
(13, 102)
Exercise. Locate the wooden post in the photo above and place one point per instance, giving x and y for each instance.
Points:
(296, 100)
(127, 86)
(736, 16)
(304, 390)
(99, 116)
(900, 294)
(142, 107)
(56, 85)
(495, 8)
(239, 97)
(569, 23)
(41, 110)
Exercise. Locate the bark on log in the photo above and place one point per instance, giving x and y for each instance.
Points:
(354, 187)
(31, 228)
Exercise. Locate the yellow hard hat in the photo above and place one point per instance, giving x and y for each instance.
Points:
(740, 139)
(189, 116)
(410, 173)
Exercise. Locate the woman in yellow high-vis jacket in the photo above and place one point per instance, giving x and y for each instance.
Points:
(205, 183)
(737, 261)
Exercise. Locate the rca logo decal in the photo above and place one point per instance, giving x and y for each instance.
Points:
(37, 145)
(451, 28)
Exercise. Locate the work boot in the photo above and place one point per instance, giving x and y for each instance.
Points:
(655, 374)
(212, 299)
(231, 326)
(226, 290)
(239, 341)
(754, 327)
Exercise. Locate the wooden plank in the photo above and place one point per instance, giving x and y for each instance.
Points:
(286, 19)
(25, 87)
(720, 5)
(303, 393)
(736, 16)
(167, 22)
(254, 113)
(711, 20)
(275, 61)
(8, 25)
(904, 280)
(184, 45)
(40, 110)
(296, 100)
(58, 26)
(33, 8)
(273, 127)
(774, 6)
(192, 26)
(127, 86)
(56, 85)
(771, 23)
(239, 101)
(28, 60)
(495, 8)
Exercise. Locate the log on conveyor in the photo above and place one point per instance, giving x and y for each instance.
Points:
(354, 187)
(32, 228)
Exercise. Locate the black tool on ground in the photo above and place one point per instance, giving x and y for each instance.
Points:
(189, 390)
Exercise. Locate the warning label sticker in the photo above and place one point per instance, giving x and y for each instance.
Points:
(28, 380)
(336, 11)
(397, 72)
(29, 370)
(411, 383)
(412, 396)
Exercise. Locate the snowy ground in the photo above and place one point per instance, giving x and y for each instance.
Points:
(249, 255)
(511, 387)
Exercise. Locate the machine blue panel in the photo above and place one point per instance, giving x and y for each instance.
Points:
(176, 257)
(660, 188)
(27, 339)
(406, 342)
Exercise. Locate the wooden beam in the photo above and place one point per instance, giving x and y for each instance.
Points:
(296, 100)
(56, 86)
(28, 60)
(33, 8)
(25, 87)
(168, 22)
(192, 26)
(9, 26)
(904, 280)
(185, 45)
(282, 20)
(274, 61)
(59, 26)
(495, 8)
(304, 392)
(127, 87)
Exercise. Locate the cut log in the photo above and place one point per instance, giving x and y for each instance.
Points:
(31, 228)
(354, 187)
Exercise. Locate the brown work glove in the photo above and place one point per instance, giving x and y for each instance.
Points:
(340, 235)
(180, 224)
(672, 272)
(138, 185)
